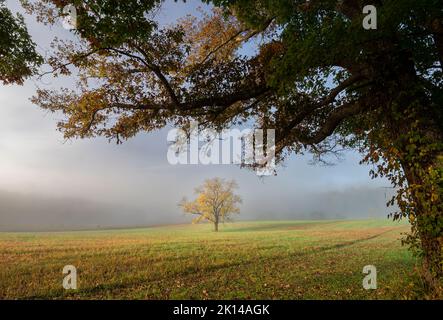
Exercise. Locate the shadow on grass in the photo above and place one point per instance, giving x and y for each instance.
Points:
(284, 226)
(192, 271)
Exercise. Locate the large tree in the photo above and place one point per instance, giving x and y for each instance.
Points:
(316, 76)
(216, 202)
(18, 57)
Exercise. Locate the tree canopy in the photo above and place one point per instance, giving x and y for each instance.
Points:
(215, 202)
(18, 57)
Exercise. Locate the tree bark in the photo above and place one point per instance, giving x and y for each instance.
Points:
(217, 219)
(420, 142)
(428, 211)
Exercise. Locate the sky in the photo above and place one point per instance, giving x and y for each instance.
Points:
(47, 183)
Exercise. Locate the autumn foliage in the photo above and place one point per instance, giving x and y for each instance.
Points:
(215, 202)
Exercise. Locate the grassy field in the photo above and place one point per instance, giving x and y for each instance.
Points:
(245, 260)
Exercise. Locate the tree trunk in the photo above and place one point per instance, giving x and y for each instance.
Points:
(426, 183)
(216, 220)
(419, 139)
(433, 256)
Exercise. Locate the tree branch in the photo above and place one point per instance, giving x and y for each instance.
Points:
(327, 100)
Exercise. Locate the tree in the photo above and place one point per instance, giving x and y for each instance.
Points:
(215, 202)
(18, 58)
(318, 77)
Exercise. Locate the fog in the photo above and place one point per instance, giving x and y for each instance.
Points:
(31, 212)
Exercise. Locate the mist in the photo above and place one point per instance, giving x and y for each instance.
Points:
(33, 212)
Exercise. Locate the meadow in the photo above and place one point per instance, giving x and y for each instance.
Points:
(244, 260)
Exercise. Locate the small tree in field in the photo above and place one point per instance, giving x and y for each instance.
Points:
(216, 201)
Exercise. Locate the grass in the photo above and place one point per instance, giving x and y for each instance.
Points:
(245, 260)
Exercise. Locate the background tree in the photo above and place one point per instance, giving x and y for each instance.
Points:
(215, 202)
(317, 76)
(18, 58)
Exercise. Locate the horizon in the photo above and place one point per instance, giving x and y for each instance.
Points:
(205, 223)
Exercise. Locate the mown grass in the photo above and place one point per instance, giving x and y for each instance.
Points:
(245, 260)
